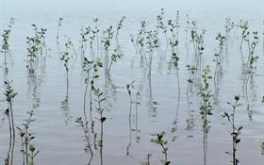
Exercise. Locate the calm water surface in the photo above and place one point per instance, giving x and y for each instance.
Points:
(127, 136)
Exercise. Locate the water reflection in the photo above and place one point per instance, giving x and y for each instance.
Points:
(133, 115)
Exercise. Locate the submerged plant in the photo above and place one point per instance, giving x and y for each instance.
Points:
(235, 130)
(159, 139)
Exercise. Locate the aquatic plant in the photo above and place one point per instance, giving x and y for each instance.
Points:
(205, 107)
(108, 35)
(161, 25)
(174, 27)
(250, 65)
(65, 58)
(229, 25)
(159, 139)
(28, 149)
(119, 26)
(117, 54)
(99, 99)
(197, 40)
(91, 68)
(10, 95)
(85, 31)
(243, 25)
(218, 60)
(6, 37)
(235, 130)
(59, 24)
(36, 44)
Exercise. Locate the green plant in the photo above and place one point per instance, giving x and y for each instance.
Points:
(10, 95)
(84, 39)
(198, 46)
(99, 99)
(159, 139)
(58, 30)
(205, 107)
(5, 42)
(66, 63)
(36, 44)
(228, 27)
(218, 60)
(119, 26)
(243, 25)
(108, 35)
(235, 130)
(161, 25)
(28, 149)
(250, 65)
(83, 122)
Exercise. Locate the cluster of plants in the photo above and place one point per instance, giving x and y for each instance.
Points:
(99, 49)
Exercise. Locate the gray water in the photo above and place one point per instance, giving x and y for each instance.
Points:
(58, 138)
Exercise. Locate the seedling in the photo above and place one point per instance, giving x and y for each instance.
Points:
(159, 139)
(6, 42)
(84, 39)
(66, 63)
(198, 46)
(218, 60)
(58, 30)
(161, 25)
(250, 65)
(119, 26)
(28, 149)
(206, 107)
(35, 47)
(235, 130)
(10, 95)
(228, 27)
(243, 25)
(108, 35)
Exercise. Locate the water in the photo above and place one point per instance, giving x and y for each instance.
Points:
(58, 138)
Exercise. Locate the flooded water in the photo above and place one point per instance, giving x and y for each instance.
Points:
(161, 97)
